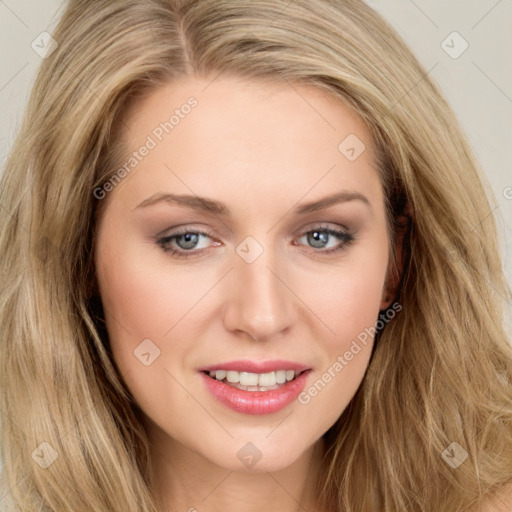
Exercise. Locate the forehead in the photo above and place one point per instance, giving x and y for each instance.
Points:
(232, 102)
(250, 136)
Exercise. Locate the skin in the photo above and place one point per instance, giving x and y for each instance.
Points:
(262, 148)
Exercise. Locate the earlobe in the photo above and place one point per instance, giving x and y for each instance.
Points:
(393, 276)
(401, 257)
(387, 293)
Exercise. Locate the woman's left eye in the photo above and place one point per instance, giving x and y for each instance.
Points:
(320, 236)
(186, 241)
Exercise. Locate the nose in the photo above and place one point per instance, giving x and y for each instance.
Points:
(259, 301)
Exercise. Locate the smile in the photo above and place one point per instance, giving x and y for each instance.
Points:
(269, 395)
(254, 381)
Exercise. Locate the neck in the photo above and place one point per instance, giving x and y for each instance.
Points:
(183, 480)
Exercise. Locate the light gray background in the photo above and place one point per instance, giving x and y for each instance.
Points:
(478, 84)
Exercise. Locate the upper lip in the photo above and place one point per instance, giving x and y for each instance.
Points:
(256, 366)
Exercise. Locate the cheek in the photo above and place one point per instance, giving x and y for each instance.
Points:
(143, 293)
(147, 297)
(351, 315)
(348, 302)
(348, 298)
(144, 302)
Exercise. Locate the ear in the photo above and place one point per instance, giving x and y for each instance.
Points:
(401, 252)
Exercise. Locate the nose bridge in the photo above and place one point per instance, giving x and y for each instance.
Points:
(258, 301)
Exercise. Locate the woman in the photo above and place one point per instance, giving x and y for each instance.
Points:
(175, 333)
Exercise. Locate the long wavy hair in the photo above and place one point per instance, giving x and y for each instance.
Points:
(440, 372)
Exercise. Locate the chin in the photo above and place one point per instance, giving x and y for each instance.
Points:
(258, 452)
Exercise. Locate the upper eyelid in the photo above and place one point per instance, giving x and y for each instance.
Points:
(207, 232)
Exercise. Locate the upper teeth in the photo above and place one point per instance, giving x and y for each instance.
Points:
(255, 379)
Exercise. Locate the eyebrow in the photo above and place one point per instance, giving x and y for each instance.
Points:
(216, 207)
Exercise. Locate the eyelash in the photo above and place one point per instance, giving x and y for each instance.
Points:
(345, 236)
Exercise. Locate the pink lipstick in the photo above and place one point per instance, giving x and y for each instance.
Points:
(256, 387)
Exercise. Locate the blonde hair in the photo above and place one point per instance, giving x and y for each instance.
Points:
(440, 371)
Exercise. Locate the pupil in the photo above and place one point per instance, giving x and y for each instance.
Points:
(190, 240)
(318, 238)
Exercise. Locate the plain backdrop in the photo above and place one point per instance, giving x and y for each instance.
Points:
(477, 83)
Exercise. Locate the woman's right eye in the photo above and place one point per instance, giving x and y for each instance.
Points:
(184, 239)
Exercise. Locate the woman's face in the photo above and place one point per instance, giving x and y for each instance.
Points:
(258, 284)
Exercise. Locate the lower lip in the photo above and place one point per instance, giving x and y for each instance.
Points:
(256, 402)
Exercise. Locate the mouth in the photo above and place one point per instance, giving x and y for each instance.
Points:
(276, 385)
